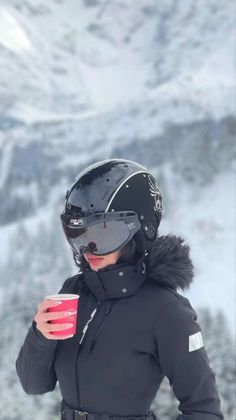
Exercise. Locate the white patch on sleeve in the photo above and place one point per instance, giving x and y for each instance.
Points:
(195, 341)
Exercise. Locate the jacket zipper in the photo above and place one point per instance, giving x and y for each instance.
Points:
(107, 311)
(88, 322)
(80, 343)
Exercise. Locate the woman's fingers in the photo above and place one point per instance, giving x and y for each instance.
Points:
(46, 303)
(48, 316)
(49, 328)
(46, 329)
(57, 327)
(43, 318)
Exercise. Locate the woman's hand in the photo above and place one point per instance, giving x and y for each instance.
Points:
(43, 317)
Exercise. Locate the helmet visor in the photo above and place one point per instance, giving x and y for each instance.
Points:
(100, 234)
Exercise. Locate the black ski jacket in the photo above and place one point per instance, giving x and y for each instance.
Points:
(142, 330)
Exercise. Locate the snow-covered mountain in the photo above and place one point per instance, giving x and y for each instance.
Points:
(84, 80)
(60, 57)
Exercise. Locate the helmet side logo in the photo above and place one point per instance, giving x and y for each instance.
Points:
(131, 225)
(155, 193)
(76, 222)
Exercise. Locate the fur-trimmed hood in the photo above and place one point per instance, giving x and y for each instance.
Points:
(169, 262)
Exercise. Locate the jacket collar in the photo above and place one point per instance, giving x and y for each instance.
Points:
(168, 264)
(116, 281)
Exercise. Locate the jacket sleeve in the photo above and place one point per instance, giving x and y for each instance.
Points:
(34, 364)
(184, 360)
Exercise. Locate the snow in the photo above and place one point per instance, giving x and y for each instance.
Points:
(5, 164)
(70, 58)
(6, 233)
(32, 115)
(12, 36)
(107, 88)
(207, 220)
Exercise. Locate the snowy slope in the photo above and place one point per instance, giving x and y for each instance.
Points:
(206, 219)
(69, 57)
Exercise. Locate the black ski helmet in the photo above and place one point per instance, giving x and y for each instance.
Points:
(114, 188)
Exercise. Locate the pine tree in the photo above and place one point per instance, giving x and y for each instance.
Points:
(165, 404)
(221, 352)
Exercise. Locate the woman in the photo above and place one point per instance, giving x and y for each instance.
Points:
(134, 328)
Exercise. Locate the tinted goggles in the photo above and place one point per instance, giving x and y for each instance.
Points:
(100, 233)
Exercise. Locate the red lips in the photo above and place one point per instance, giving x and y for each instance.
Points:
(93, 259)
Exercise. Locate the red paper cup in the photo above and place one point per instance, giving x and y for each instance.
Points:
(69, 303)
